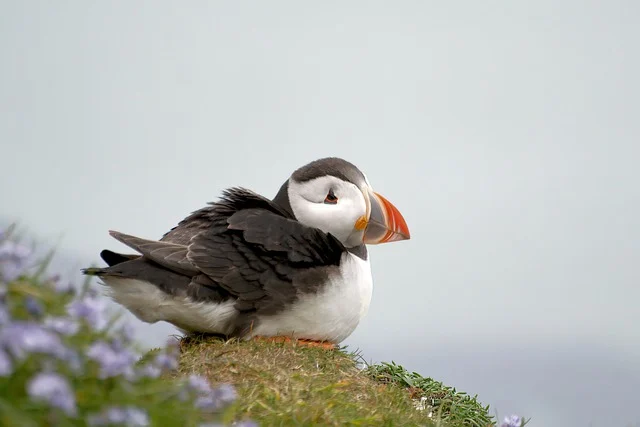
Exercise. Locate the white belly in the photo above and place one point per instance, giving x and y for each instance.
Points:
(333, 313)
(330, 315)
(150, 304)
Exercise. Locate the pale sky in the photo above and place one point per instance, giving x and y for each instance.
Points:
(507, 133)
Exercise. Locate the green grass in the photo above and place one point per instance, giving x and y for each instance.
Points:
(286, 384)
(456, 407)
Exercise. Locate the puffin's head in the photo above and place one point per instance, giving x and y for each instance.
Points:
(335, 196)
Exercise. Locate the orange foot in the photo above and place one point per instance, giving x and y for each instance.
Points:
(303, 342)
(317, 344)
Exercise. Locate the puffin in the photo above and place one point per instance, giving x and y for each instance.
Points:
(293, 268)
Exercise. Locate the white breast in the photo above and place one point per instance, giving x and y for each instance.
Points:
(330, 315)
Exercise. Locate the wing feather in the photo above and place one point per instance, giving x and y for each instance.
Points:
(168, 255)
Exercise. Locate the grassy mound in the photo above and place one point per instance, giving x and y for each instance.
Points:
(287, 384)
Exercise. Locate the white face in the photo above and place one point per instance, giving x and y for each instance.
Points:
(330, 204)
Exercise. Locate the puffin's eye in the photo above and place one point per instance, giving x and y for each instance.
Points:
(331, 198)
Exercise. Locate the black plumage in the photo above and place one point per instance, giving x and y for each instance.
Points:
(243, 247)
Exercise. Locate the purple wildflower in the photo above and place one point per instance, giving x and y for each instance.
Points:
(5, 364)
(206, 398)
(117, 344)
(217, 399)
(91, 309)
(22, 338)
(54, 389)
(166, 362)
(113, 362)
(13, 259)
(4, 314)
(226, 393)
(149, 370)
(128, 415)
(73, 360)
(33, 306)
(62, 325)
(207, 403)
(154, 368)
(512, 421)
(195, 385)
(198, 384)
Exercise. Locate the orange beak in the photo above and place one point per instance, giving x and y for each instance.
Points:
(385, 223)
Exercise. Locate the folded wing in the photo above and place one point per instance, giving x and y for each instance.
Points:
(243, 247)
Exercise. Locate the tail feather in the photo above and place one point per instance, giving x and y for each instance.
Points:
(93, 271)
(114, 258)
(111, 258)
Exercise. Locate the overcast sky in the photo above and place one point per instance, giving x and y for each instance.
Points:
(507, 134)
